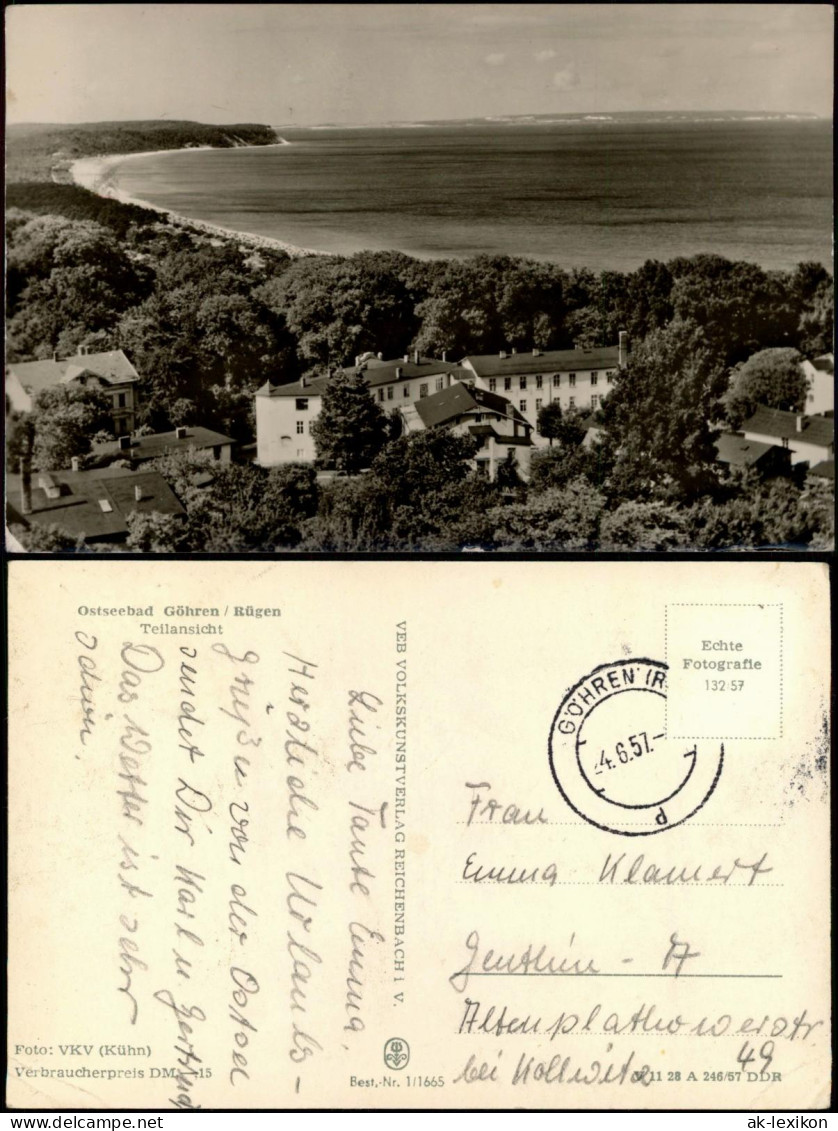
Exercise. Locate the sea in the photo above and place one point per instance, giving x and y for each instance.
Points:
(596, 194)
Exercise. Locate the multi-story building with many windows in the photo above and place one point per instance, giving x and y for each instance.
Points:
(577, 379)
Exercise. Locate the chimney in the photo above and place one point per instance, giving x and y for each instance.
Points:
(75, 464)
(138, 493)
(514, 350)
(25, 487)
(55, 355)
(124, 443)
(536, 352)
(416, 357)
(399, 372)
(303, 382)
(180, 432)
(380, 355)
(622, 349)
(445, 355)
(406, 357)
(502, 354)
(798, 422)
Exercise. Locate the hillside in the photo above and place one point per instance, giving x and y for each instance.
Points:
(45, 151)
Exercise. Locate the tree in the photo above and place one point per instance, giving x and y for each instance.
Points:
(352, 427)
(772, 377)
(52, 539)
(422, 464)
(658, 419)
(653, 526)
(558, 519)
(566, 428)
(65, 418)
(507, 475)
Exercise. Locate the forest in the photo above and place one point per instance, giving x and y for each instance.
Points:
(206, 321)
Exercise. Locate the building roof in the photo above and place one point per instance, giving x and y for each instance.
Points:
(35, 376)
(823, 470)
(775, 422)
(379, 372)
(78, 509)
(308, 387)
(376, 372)
(448, 404)
(739, 452)
(548, 361)
(112, 366)
(161, 443)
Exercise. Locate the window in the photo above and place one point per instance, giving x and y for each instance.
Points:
(216, 452)
(492, 384)
(120, 400)
(522, 382)
(439, 384)
(301, 427)
(538, 403)
(609, 376)
(381, 394)
(556, 380)
(311, 426)
(389, 392)
(594, 378)
(405, 390)
(507, 383)
(571, 380)
(572, 402)
(594, 401)
(539, 381)
(105, 506)
(785, 441)
(302, 404)
(522, 405)
(423, 391)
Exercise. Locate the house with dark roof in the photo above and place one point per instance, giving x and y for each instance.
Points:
(111, 371)
(92, 505)
(734, 450)
(138, 449)
(820, 384)
(285, 413)
(809, 439)
(499, 428)
(578, 379)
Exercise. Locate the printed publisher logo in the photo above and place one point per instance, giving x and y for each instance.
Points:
(396, 1053)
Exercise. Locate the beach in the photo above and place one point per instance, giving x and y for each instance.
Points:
(97, 174)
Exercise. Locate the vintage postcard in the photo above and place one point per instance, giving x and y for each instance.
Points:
(419, 835)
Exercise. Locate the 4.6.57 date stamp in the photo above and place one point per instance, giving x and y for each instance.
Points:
(611, 758)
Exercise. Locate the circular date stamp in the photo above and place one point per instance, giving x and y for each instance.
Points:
(612, 761)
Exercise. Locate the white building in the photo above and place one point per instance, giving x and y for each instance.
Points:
(577, 379)
(110, 371)
(820, 379)
(285, 413)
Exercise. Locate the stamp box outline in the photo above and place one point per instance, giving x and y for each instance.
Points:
(724, 605)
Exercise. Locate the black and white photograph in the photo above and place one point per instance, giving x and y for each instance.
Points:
(364, 278)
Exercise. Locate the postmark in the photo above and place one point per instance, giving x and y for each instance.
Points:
(612, 760)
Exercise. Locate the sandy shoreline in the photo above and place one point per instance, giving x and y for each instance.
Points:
(97, 174)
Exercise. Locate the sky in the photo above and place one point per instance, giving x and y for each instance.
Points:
(307, 64)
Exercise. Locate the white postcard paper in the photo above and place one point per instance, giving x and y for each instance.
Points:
(419, 834)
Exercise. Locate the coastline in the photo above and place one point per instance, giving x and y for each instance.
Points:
(97, 175)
